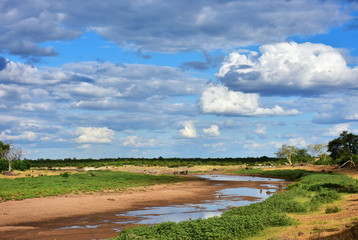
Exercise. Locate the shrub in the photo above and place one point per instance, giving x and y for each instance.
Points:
(4, 166)
(332, 209)
(65, 174)
(21, 165)
(326, 196)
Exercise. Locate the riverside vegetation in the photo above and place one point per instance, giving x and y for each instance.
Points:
(66, 183)
(308, 194)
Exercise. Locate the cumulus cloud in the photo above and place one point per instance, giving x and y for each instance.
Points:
(189, 130)
(26, 135)
(213, 130)
(21, 73)
(221, 100)
(337, 129)
(288, 68)
(94, 135)
(135, 141)
(181, 26)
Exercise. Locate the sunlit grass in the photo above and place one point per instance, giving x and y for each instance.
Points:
(42, 186)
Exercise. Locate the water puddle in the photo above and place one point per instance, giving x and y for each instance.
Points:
(224, 199)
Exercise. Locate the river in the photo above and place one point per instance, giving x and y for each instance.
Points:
(234, 191)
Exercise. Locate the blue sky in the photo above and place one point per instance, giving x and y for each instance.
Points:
(150, 78)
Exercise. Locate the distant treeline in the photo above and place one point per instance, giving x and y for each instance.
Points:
(168, 162)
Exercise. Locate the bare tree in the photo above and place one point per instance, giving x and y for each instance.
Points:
(12, 155)
(318, 150)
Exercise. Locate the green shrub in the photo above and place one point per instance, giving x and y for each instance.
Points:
(326, 196)
(332, 209)
(21, 165)
(65, 174)
(215, 228)
(4, 166)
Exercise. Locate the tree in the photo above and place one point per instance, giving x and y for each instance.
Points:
(10, 153)
(4, 149)
(344, 147)
(317, 150)
(286, 152)
(301, 156)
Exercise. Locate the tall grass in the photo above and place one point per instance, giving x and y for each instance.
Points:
(30, 187)
(308, 194)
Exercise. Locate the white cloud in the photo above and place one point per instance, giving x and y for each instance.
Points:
(84, 146)
(221, 100)
(26, 135)
(135, 141)
(16, 72)
(214, 145)
(35, 107)
(288, 68)
(94, 135)
(213, 130)
(261, 131)
(189, 130)
(297, 142)
(337, 129)
(253, 145)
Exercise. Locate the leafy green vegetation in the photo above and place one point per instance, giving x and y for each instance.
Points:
(313, 190)
(21, 165)
(148, 162)
(284, 173)
(30, 187)
(344, 148)
(332, 209)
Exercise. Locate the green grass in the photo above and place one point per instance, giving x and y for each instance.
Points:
(284, 173)
(312, 191)
(30, 187)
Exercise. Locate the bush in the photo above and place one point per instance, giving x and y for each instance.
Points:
(4, 166)
(325, 160)
(65, 174)
(332, 209)
(21, 165)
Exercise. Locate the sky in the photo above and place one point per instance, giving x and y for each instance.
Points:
(151, 78)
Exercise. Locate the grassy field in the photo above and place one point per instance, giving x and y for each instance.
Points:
(65, 183)
(312, 191)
